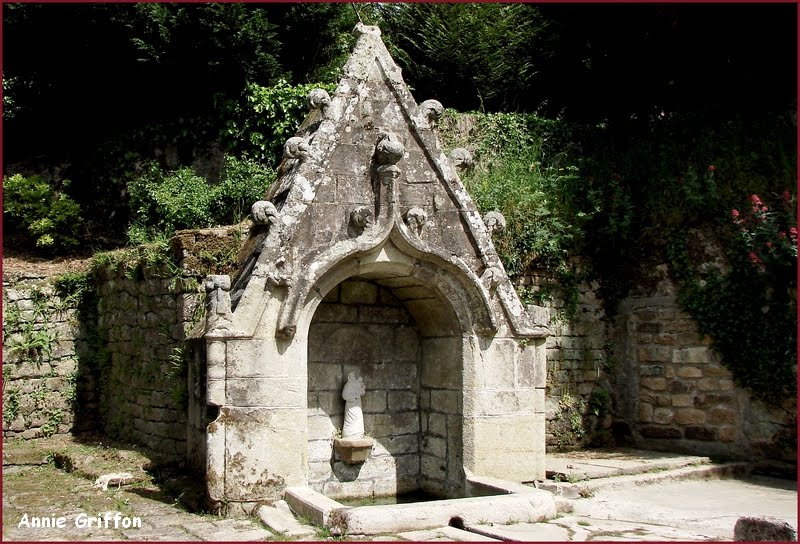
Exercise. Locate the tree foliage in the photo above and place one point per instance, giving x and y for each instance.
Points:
(490, 53)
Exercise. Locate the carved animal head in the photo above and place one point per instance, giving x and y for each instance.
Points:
(263, 212)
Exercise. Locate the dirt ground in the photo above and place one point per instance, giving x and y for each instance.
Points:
(20, 263)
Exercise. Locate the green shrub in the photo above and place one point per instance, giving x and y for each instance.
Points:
(163, 202)
(38, 211)
(749, 309)
(243, 182)
(522, 170)
(260, 123)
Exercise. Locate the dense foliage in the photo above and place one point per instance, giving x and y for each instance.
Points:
(40, 213)
(163, 202)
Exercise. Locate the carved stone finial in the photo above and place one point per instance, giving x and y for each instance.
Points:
(461, 158)
(495, 222)
(491, 277)
(361, 28)
(432, 110)
(389, 149)
(218, 299)
(264, 212)
(318, 99)
(296, 148)
(361, 218)
(415, 219)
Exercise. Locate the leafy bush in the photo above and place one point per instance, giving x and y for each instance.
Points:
(38, 211)
(162, 202)
(749, 309)
(522, 169)
(260, 123)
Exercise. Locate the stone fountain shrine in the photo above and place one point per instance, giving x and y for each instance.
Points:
(369, 262)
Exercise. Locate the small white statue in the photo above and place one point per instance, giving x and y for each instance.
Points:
(353, 426)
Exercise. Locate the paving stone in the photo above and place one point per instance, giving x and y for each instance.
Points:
(280, 519)
(526, 532)
(232, 535)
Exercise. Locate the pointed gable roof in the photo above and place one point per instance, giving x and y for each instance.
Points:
(366, 170)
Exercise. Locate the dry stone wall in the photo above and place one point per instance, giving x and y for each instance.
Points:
(43, 382)
(675, 394)
(646, 377)
(144, 322)
(578, 394)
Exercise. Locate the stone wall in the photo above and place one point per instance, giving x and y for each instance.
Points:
(362, 327)
(578, 395)
(144, 318)
(669, 389)
(648, 375)
(674, 393)
(43, 380)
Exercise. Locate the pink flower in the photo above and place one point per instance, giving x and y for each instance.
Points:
(782, 234)
(755, 200)
(711, 168)
(754, 260)
(735, 213)
(764, 209)
(786, 196)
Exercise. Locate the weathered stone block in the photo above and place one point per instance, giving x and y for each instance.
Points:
(433, 467)
(645, 412)
(320, 450)
(402, 401)
(445, 401)
(663, 416)
(711, 399)
(325, 377)
(690, 416)
(763, 529)
(680, 387)
(396, 445)
(395, 315)
(689, 372)
(660, 432)
(727, 434)
(436, 447)
(699, 433)
(406, 344)
(381, 425)
(726, 385)
(655, 384)
(437, 424)
(358, 292)
(336, 313)
(683, 400)
(321, 427)
(651, 370)
(374, 401)
(436, 367)
(721, 416)
(708, 384)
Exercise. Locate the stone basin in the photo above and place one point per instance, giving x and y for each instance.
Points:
(507, 502)
(353, 450)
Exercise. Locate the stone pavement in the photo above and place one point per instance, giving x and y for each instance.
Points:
(685, 501)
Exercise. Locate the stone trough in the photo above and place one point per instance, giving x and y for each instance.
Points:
(504, 503)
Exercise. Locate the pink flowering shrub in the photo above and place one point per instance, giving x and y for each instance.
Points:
(768, 235)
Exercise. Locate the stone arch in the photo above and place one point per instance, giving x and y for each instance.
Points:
(399, 319)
